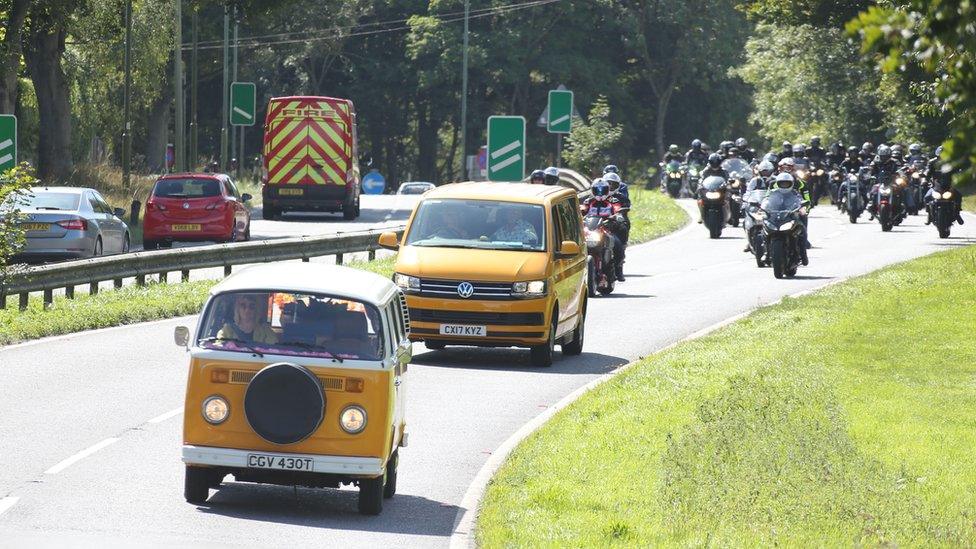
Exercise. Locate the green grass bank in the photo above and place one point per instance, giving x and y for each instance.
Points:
(843, 418)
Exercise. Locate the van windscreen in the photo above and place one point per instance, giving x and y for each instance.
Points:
(479, 224)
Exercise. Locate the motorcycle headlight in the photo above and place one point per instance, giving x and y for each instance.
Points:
(594, 238)
(947, 195)
(215, 410)
(916, 175)
(788, 226)
(735, 184)
(713, 195)
(693, 172)
(885, 192)
(407, 283)
(820, 172)
(901, 181)
(802, 174)
(353, 419)
(534, 288)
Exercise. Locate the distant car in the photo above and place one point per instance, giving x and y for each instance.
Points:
(70, 223)
(415, 187)
(193, 207)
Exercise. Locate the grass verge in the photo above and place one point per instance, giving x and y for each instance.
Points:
(653, 214)
(116, 307)
(843, 418)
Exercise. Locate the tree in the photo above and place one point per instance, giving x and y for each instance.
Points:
(13, 183)
(939, 37)
(589, 145)
(10, 53)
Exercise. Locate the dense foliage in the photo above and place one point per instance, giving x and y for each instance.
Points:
(12, 183)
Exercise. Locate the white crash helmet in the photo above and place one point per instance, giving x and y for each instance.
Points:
(785, 181)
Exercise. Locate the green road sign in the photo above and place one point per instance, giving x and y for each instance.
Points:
(242, 104)
(560, 111)
(8, 141)
(506, 148)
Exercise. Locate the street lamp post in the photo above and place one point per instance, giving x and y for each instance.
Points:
(180, 123)
(194, 60)
(464, 95)
(226, 90)
(127, 124)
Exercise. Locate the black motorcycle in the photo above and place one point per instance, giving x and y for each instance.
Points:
(891, 207)
(943, 211)
(783, 232)
(714, 204)
(852, 202)
(673, 177)
(837, 178)
(739, 174)
(753, 225)
(816, 175)
(917, 186)
(601, 264)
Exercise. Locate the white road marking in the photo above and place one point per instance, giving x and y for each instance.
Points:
(80, 456)
(506, 149)
(833, 235)
(507, 162)
(7, 503)
(559, 120)
(163, 417)
(243, 113)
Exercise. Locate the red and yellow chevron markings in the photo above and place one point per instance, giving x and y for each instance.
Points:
(308, 142)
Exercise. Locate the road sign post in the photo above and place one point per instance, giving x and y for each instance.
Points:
(506, 148)
(8, 142)
(242, 103)
(560, 119)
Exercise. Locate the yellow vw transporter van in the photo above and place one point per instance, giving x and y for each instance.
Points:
(297, 378)
(495, 265)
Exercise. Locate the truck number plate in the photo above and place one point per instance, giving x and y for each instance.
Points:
(463, 330)
(284, 463)
(291, 192)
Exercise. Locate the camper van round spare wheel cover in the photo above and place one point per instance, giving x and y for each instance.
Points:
(284, 403)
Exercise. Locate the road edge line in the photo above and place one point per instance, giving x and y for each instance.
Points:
(462, 535)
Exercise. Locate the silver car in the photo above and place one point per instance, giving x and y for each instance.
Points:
(415, 187)
(70, 223)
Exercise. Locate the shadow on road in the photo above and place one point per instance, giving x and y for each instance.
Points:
(812, 277)
(475, 358)
(330, 509)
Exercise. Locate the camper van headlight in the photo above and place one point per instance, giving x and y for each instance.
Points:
(534, 288)
(353, 419)
(215, 409)
(407, 283)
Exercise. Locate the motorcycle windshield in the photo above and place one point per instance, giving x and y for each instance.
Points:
(674, 166)
(754, 196)
(713, 183)
(781, 202)
(737, 168)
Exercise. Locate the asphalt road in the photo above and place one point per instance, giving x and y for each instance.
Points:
(108, 402)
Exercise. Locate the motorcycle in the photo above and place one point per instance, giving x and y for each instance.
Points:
(943, 211)
(693, 176)
(818, 183)
(915, 173)
(837, 178)
(673, 175)
(601, 263)
(714, 204)
(853, 200)
(739, 174)
(891, 209)
(753, 225)
(783, 232)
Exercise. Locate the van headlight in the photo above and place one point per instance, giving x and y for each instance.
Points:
(407, 283)
(713, 195)
(215, 409)
(533, 288)
(353, 419)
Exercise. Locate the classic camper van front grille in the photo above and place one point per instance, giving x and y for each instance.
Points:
(243, 377)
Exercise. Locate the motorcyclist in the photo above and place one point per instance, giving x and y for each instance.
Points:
(815, 152)
(696, 155)
(763, 177)
(551, 175)
(745, 153)
(617, 184)
(788, 165)
(915, 154)
(603, 204)
(772, 158)
(786, 183)
(939, 173)
(538, 177)
(714, 167)
(673, 154)
(786, 151)
(866, 153)
(836, 155)
(724, 148)
(884, 167)
(898, 154)
(852, 163)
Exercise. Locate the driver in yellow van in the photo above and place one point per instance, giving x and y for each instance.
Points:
(248, 324)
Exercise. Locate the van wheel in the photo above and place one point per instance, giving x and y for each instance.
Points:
(348, 212)
(389, 489)
(575, 346)
(542, 354)
(196, 485)
(371, 495)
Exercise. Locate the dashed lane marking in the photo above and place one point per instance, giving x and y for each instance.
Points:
(6, 503)
(80, 456)
(163, 417)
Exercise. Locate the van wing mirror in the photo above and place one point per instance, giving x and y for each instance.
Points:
(181, 335)
(389, 241)
(568, 249)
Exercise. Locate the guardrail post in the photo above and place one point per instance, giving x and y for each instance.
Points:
(3, 300)
(338, 259)
(304, 260)
(141, 280)
(93, 288)
(48, 298)
(185, 275)
(69, 292)
(118, 283)
(227, 269)
(371, 255)
(23, 301)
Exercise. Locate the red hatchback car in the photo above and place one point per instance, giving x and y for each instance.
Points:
(191, 207)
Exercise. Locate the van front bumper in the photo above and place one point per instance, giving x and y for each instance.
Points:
(518, 322)
(231, 458)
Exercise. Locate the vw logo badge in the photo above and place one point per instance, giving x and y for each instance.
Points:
(186, 205)
(465, 290)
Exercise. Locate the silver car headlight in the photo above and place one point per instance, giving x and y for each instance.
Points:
(407, 283)
(353, 419)
(215, 409)
(713, 195)
(533, 288)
